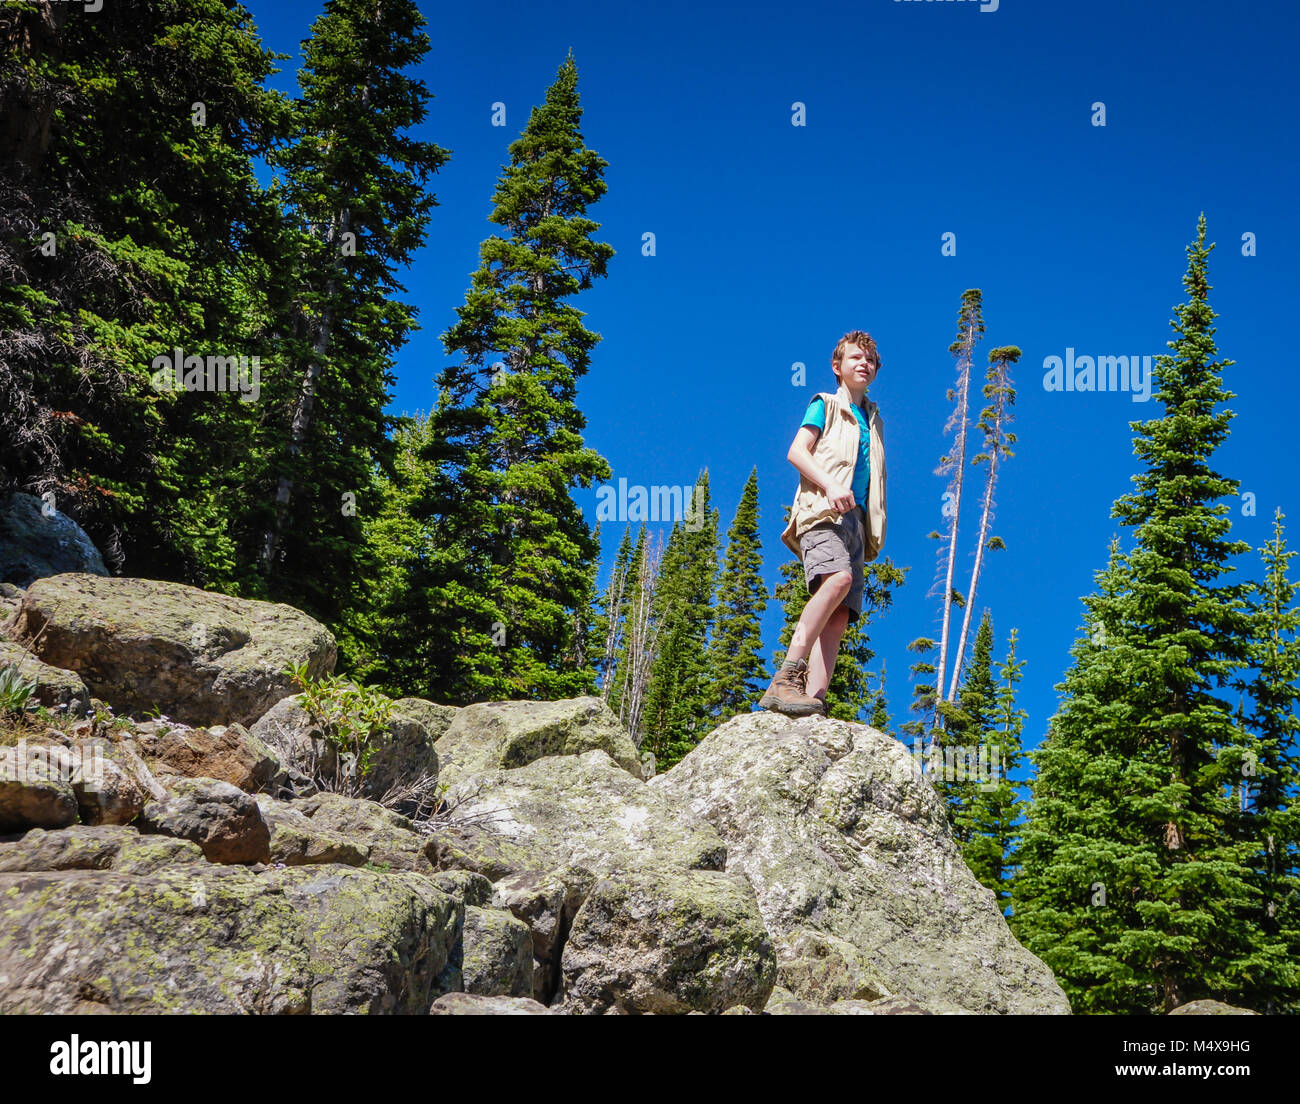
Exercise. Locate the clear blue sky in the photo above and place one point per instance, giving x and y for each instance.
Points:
(772, 240)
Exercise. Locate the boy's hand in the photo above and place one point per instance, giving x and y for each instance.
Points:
(841, 497)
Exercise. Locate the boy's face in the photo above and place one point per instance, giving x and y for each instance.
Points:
(856, 367)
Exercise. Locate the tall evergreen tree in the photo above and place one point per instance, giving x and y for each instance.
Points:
(1269, 780)
(994, 418)
(1139, 758)
(959, 753)
(677, 699)
(354, 182)
(509, 432)
(737, 674)
(995, 807)
(107, 268)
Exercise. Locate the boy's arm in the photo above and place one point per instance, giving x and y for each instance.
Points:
(801, 456)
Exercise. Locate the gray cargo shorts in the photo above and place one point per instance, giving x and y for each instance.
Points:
(831, 546)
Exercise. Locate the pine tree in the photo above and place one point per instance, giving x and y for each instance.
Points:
(737, 673)
(880, 706)
(640, 638)
(995, 806)
(677, 699)
(509, 446)
(1269, 782)
(354, 181)
(1133, 777)
(959, 754)
(108, 268)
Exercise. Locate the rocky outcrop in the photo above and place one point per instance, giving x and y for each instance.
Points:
(36, 543)
(857, 876)
(502, 735)
(435, 718)
(229, 754)
(783, 867)
(466, 1004)
(222, 939)
(1210, 1008)
(198, 657)
(625, 895)
(224, 821)
(97, 847)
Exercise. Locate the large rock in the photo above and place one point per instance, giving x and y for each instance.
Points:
(497, 954)
(502, 735)
(198, 657)
(667, 941)
(857, 875)
(297, 739)
(391, 840)
(377, 943)
(96, 847)
(36, 787)
(223, 820)
(297, 841)
(666, 927)
(468, 1004)
(55, 687)
(435, 718)
(1210, 1008)
(222, 939)
(33, 546)
(226, 753)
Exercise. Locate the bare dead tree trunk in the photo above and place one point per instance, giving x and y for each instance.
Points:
(999, 390)
(956, 462)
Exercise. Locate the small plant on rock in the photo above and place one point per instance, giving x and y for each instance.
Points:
(354, 720)
(14, 690)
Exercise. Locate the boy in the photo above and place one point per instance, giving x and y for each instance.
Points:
(837, 523)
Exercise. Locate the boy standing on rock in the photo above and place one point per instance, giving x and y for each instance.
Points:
(837, 523)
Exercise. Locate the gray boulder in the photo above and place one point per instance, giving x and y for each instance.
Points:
(856, 872)
(96, 847)
(296, 840)
(34, 546)
(199, 657)
(435, 718)
(224, 940)
(468, 1004)
(565, 830)
(35, 788)
(502, 735)
(224, 821)
(391, 840)
(497, 954)
(1210, 1008)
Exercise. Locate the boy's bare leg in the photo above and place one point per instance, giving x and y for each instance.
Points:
(821, 664)
(816, 613)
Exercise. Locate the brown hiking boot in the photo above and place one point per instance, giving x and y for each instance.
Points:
(786, 693)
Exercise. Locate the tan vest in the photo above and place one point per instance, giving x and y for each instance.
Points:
(836, 452)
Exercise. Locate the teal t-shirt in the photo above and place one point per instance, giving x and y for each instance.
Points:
(816, 417)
